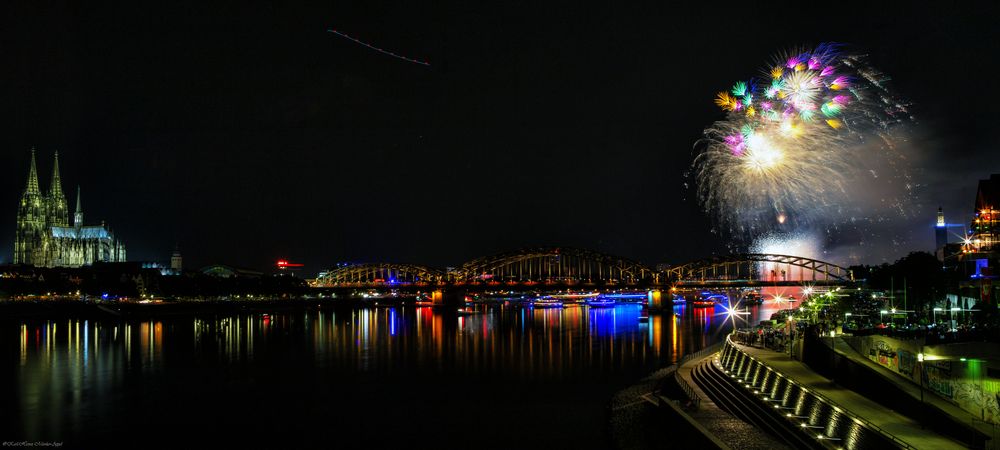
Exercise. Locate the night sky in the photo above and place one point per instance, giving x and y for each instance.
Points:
(248, 133)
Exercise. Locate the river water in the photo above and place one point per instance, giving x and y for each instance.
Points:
(508, 376)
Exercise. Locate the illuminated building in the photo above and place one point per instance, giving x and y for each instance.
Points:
(979, 256)
(176, 263)
(944, 250)
(941, 229)
(44, 237)
(984, 234)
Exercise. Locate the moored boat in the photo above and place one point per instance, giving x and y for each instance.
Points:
(547, 302)
(601, 302)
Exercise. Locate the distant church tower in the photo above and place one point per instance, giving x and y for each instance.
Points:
(176, 263)
(78, 215)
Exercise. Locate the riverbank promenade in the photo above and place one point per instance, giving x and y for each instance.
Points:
(891, 421)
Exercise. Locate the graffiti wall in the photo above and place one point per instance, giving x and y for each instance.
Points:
(937, 378)
(884, 354)
(974, 392)
(907, 363)
(961, 381)
(893, 354)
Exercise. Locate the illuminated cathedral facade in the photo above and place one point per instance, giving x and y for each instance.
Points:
(44, 236)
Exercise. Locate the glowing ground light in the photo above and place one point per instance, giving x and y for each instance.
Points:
(377, 49)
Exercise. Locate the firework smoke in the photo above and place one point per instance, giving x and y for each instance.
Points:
(800, 146)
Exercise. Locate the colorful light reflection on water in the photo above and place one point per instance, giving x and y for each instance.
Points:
(83, 380)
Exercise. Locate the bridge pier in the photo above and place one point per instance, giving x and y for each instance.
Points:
(654, 300)
(448, 297)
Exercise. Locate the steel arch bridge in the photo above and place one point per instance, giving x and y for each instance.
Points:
(387, 274)
(554, 265)
(568, 267)
(758, 268)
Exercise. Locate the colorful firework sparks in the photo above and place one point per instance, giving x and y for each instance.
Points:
(377, 49)
(793, 140)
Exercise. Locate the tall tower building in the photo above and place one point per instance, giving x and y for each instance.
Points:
(940, 230)
(175, 260)
(31, 215)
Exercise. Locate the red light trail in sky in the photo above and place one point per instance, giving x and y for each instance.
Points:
(358, 41)
(283, 264)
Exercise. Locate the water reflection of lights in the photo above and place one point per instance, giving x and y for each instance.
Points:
(656, 333)
(703, 317)
(674, 348)
(58, 359)
(608, 321)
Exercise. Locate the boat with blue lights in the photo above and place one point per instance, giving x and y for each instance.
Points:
(601, 302)
(627, 296)
(574, 297)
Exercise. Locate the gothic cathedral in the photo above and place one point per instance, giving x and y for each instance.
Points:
(44, 237)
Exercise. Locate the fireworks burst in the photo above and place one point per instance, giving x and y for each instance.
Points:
(795, 141)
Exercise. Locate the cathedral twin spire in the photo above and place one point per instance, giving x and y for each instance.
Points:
(56, 213)
(56, 186)
(33, 176)
(58, 210)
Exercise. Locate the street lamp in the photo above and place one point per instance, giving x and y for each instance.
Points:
(934, 314)
(920, 359)
(881, 316)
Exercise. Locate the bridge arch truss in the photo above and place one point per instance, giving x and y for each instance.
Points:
(554, 265)
(760, 267)
(379, 274)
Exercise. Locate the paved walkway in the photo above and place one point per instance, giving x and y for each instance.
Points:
(891, 421)
(730, 430)
(639, 422)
